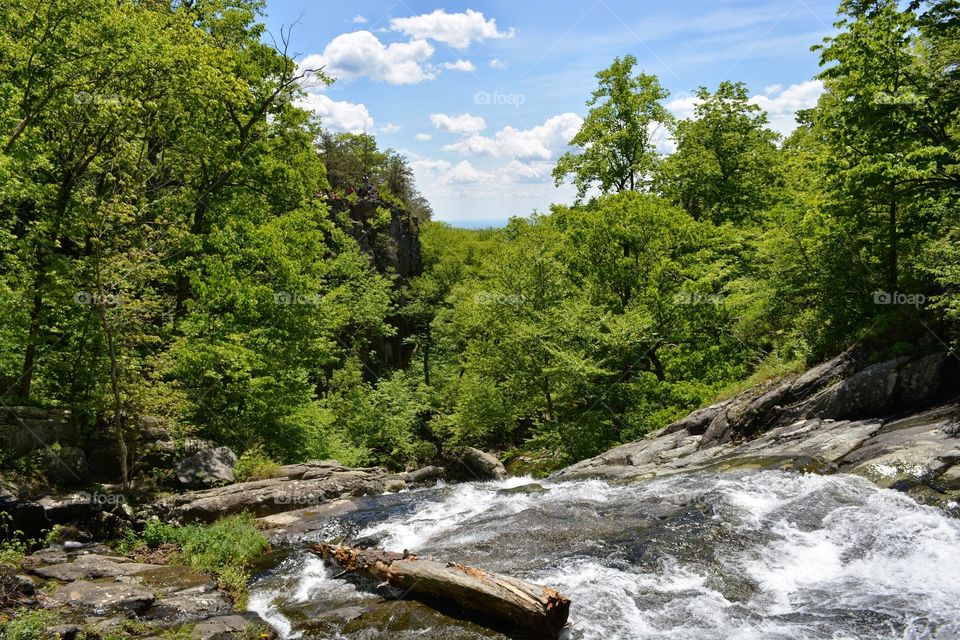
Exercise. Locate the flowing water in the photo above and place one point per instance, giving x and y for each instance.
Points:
(759, 554)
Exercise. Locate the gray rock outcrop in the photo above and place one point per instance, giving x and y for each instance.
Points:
(895, 422)
(207, 468)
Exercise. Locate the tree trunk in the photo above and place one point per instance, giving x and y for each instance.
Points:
(892, 275)
(488, 598)
(30, 353)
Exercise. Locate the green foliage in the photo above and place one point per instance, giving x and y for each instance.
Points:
(181, 240)
(225, 548)
(725, 167)
(255, 464)
(13, 544)
(29, 624)
(616, 138)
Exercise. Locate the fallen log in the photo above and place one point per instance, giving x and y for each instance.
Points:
(514, 604)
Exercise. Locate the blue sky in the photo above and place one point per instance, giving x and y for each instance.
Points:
(482, 97)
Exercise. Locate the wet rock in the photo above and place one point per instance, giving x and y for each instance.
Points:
(425, 474)
(104, 597)
(207, 468)
(90, 566)
(468, 463)
(233, 626)
(65, 631)
(394, 485)
(182, 593)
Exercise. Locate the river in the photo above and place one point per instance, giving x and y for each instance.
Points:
(753, 554)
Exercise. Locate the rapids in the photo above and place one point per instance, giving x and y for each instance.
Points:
(753, 554)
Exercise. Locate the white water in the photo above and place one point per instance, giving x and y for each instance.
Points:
(755, 555)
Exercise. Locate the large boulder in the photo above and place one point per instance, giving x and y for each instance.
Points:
(468, 463)
(299, 486)
(63, 465)
(207, 468)
(90, 566)
(105, 597)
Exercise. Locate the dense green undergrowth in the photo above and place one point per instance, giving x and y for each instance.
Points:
(227, 548)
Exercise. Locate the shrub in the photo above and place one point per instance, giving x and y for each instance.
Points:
(225, 548)
(29, 624)
(255, 464)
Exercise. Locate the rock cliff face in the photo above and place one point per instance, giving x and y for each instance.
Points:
(895, 422)
(393, 247)
(394, 250)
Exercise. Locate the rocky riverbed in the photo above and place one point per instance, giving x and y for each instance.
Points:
(750, 516)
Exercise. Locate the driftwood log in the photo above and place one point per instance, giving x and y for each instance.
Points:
(512, 604)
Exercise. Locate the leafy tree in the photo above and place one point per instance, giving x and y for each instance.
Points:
(725, 166)
(617, 141)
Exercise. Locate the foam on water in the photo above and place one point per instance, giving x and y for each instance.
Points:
(738, 556)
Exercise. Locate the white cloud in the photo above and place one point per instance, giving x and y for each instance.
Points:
(464, 173)
(460, 65)
(535, 171)
(463, 123)
(791, 99)
(423, 136)
(683, 107)
(429, 166)
(338, 116)
(455, 29)
(360, 53)
(543, 142)
(497, 63)
(358, 19)
(390, 128)
(782, 105)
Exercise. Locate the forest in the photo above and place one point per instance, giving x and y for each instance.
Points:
(180, 242)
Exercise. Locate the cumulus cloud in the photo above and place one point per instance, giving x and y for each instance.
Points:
(497, 63)
(338, 116)
(780, 104)
(534, 171)
(462, 124)
(542, 142)
(425, 166)
(464, 173)
(455, 29)
(390, 128)
(460, 65)
(683, 106)
(779, 101)
(423, 136)
(358, 19)
(361, 54)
